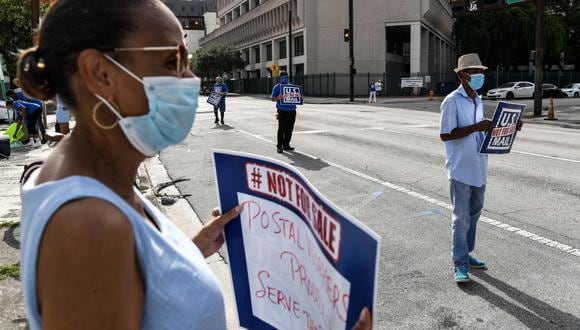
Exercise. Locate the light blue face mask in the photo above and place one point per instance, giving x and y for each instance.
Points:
(477, 80)
(172, 109)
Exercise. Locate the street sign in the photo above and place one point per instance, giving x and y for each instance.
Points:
(427, 79)
(412, 82)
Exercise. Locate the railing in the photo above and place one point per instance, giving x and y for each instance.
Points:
(337, 84)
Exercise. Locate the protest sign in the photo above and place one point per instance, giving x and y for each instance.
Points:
(297, 261)
(504, 128)
(292, 94)
(214, 99)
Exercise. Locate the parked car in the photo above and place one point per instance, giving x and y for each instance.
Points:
(572, 90)
(550, 90)
(511, 90)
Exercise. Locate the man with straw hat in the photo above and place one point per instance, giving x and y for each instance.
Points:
(462, 128)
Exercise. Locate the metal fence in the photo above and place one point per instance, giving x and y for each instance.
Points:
(337, 84)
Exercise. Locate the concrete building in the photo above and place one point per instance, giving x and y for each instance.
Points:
(390, 36)
(197, 17)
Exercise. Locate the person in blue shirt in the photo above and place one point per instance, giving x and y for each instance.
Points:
(462, 128)
(26, 113)
(220, 88)
(372, 92)
(286, 116)
(22, 97)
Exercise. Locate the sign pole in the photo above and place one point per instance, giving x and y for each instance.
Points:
(351, 50)
(539, 71)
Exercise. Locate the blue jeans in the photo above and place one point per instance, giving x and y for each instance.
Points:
(467, 203)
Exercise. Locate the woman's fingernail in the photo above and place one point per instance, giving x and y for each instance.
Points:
(238, 208)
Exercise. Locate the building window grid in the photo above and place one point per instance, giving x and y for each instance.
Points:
(299, 46)
(282, 49)
(269, 52)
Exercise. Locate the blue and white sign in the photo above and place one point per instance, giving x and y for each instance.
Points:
(214, 99)
(292, 94)
(297, 261)
(504, 128)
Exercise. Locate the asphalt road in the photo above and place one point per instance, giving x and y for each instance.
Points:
(359, 156)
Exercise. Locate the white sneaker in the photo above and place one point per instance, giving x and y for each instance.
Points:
(37, 144)
(30, 143)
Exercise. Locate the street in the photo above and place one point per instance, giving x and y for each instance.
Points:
(385, 166)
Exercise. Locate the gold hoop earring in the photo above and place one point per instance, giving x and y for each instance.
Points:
(101, 126)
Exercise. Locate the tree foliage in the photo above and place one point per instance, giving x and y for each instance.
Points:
(15, 29)
(506, 38)
(568, 11)
(214, 61)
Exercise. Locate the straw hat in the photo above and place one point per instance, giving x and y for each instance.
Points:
(469, 61)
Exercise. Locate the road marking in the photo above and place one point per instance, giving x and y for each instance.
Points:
(498, 224)
(310, 132)
(545, 156)
(437, 138)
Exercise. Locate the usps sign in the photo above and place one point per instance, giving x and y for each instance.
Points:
(292, 94)
(504, 128)
(297, 261)
(214, 99)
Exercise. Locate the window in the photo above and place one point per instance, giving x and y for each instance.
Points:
(299, 46)
(195, 23)
(257, 54)
(246, 56)
(282, 48)
(268, 52)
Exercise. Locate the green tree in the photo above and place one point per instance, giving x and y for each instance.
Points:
(214, 61)
(15, 30)
(568, 11)
(506, 38)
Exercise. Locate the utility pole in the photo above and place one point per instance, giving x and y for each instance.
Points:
(351, 50)
(290, 40)
(539, 71)
(35, 10)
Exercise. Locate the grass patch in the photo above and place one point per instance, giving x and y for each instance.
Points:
(12, 271)
(9, 224)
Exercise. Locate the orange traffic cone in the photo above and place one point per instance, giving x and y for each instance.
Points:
(551, 115)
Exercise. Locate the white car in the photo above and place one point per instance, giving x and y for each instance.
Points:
(512, 90)
(572, 90)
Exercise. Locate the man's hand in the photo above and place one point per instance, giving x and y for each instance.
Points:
(483, 126)
(519, 125)
(209, 239)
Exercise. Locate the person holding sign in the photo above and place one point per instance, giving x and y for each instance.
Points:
(222, 89)
(95, 253)
(373, 92)
(286, 115)
(462, 128)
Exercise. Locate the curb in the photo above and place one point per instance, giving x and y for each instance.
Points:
(151, 176)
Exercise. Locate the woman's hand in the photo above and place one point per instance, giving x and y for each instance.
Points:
(364, 321)
(209, 239)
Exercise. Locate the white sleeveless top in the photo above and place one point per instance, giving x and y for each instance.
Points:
(181, 292)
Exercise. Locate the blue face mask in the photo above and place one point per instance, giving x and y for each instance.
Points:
(172, 109)
(477, 80)
(283, 80)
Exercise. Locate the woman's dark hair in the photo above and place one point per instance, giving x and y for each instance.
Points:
(69, 27)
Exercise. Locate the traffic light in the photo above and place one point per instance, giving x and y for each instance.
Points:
(346, 35)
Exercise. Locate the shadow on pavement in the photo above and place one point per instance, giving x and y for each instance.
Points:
(224, 127)
(536, 314)
(307, 163)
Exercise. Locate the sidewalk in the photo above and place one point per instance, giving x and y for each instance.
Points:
(151, 176)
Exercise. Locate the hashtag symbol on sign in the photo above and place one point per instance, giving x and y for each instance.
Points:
(256, 178)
